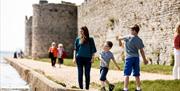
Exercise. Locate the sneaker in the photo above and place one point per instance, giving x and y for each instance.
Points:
(138, 90)
(111, 87)
(103, 89)
(124, 90)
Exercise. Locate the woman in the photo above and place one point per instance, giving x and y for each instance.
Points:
(176, 69)
(83, 55)
(60, 54)
(53, 53)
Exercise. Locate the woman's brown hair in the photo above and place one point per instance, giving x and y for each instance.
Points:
(177, 28)
(85, 36)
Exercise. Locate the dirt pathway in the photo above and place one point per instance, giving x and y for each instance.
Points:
(68, 75)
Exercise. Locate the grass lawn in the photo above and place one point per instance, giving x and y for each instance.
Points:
(157, 85)
(162, 69)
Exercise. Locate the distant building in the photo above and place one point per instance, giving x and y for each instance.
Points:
(51, 22)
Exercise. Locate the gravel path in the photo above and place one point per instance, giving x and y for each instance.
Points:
(68, 75)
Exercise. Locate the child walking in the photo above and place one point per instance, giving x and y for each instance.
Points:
(60, 54)
(132, 45)
(105, 57)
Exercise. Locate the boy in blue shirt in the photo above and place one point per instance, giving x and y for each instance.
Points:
(105, 57)
(132, 45)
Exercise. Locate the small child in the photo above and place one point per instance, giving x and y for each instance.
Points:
(60, 54)
(105, 57)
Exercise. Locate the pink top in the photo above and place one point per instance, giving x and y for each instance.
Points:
(177, 41)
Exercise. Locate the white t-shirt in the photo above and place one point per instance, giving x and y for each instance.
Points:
(60, 52)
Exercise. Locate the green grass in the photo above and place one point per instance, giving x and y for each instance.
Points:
(152, 68)
(67, 62)
(157, 85)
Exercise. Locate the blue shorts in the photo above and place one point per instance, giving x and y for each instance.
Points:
(132, 64)
(103, 73)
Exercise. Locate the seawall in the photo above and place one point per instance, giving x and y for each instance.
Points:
(37, 81)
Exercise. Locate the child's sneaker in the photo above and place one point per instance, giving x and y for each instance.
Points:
(124, 90)
(103, 89)
(111, 87)
(138, 90)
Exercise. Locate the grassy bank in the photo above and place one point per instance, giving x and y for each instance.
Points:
(162, 69)
(157, 85)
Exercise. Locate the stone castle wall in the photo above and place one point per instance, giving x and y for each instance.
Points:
(157, 18)
(28, 36)
(53, 23)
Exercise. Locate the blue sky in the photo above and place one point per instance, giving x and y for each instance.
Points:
(12, 18)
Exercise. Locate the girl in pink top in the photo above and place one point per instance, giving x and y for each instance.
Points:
(176, 69)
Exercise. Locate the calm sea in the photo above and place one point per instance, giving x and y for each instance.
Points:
(10, 80)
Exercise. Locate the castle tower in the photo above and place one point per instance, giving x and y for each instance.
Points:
(28, 36)
(53, 23)
(43, 1)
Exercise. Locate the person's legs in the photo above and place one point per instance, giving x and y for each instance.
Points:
(87, 71)
(126, 82)
(127, 72)
(80, 71)
(51, 61)
(175, 68)
(60, 61)
(54, 61)
(138, 83)
(103, 73)
(178, 60)
(136, 72)
(103, 86)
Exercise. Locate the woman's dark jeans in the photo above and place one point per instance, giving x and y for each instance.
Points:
(83, 62)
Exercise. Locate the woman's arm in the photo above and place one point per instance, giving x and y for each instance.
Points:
(93, 49)
(74, 57)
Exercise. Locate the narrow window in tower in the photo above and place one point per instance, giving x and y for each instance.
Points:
(50, 10)
(55, 10)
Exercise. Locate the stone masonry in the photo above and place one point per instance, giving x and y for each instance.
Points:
(51, 23)
(28, 36)
(107, 19)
